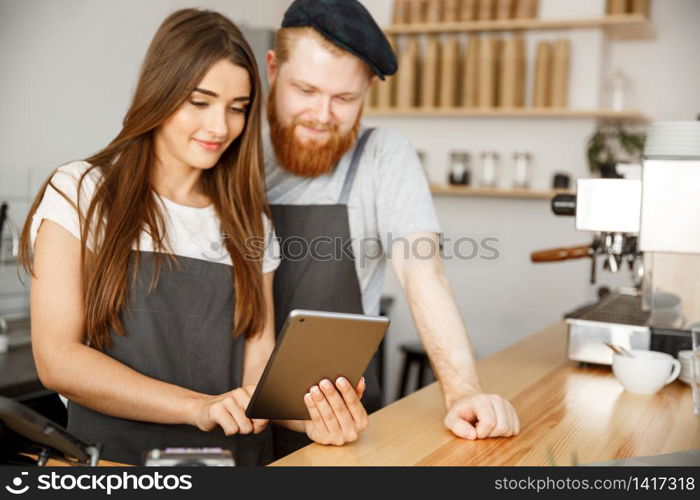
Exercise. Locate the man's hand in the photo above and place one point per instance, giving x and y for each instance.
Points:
(337, 415)
(481, 416)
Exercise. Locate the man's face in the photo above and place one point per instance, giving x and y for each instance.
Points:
(316, 91)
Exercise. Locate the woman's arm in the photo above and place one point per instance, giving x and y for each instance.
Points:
(258, 348)
(91, 378)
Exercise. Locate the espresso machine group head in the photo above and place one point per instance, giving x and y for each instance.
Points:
(610, 210)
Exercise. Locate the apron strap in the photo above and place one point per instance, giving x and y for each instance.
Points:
(352, 169)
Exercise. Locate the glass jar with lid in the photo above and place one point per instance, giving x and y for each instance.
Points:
(460, 168)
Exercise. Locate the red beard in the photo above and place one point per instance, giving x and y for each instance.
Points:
(307, 158)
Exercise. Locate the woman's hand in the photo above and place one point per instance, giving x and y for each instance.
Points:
(228, 411)
(337, 415)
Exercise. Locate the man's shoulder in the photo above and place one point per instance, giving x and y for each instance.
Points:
(389, 151)
(385, 139)
(273, 172)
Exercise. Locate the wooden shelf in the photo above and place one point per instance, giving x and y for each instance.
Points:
(601, 114)
(480, 192)
(622, 26)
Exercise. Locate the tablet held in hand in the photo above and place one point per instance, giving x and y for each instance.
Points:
(313, 346)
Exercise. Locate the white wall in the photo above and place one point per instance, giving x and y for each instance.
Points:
(69, 68)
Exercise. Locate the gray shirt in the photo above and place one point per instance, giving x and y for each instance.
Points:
(390, 199)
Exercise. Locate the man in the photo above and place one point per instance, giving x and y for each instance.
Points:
(330, 180)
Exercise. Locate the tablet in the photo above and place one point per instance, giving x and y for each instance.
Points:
(314, 345)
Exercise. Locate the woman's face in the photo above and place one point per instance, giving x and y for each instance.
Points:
(213, 116)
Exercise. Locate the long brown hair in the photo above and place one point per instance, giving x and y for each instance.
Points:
(185, 46)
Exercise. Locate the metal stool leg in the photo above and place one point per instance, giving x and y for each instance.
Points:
(420, 380)
(403, 384)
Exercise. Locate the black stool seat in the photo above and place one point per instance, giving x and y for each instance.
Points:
(413, 348)
(414, 353)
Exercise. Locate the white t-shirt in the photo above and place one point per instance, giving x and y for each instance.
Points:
(192, 232)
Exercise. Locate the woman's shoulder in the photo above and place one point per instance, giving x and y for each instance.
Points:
(60, 200)
(74, 168)
(68, 176)
(73, 171)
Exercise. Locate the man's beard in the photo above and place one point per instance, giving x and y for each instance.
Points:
(307, 158)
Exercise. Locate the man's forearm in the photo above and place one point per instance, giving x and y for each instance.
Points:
(471, 413)
(442, 331)
(436, 316)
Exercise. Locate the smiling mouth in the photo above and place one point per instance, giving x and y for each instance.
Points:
(209, 145)
(316, 131)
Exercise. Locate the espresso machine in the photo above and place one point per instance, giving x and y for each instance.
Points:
(649, 228)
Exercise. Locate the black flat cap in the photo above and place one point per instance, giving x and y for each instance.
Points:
(347, 24)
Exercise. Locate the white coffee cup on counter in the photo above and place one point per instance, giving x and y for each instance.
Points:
(647, 372)
(667, 311)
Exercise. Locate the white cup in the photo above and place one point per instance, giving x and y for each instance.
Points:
(667, 311)
(647, 372)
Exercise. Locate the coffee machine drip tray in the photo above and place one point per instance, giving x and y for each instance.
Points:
(617, 318)
(614, 308)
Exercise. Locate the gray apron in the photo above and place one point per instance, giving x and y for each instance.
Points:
(305, 282)
(179, 333)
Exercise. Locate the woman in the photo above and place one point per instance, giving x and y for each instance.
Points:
(147, 312)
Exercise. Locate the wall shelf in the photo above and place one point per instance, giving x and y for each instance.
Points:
(480, 192)
(621, 27)
(600, 114)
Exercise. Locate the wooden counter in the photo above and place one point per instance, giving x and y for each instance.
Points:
(568, 414)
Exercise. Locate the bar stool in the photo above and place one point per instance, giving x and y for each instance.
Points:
(414, 353)
(385, 304)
